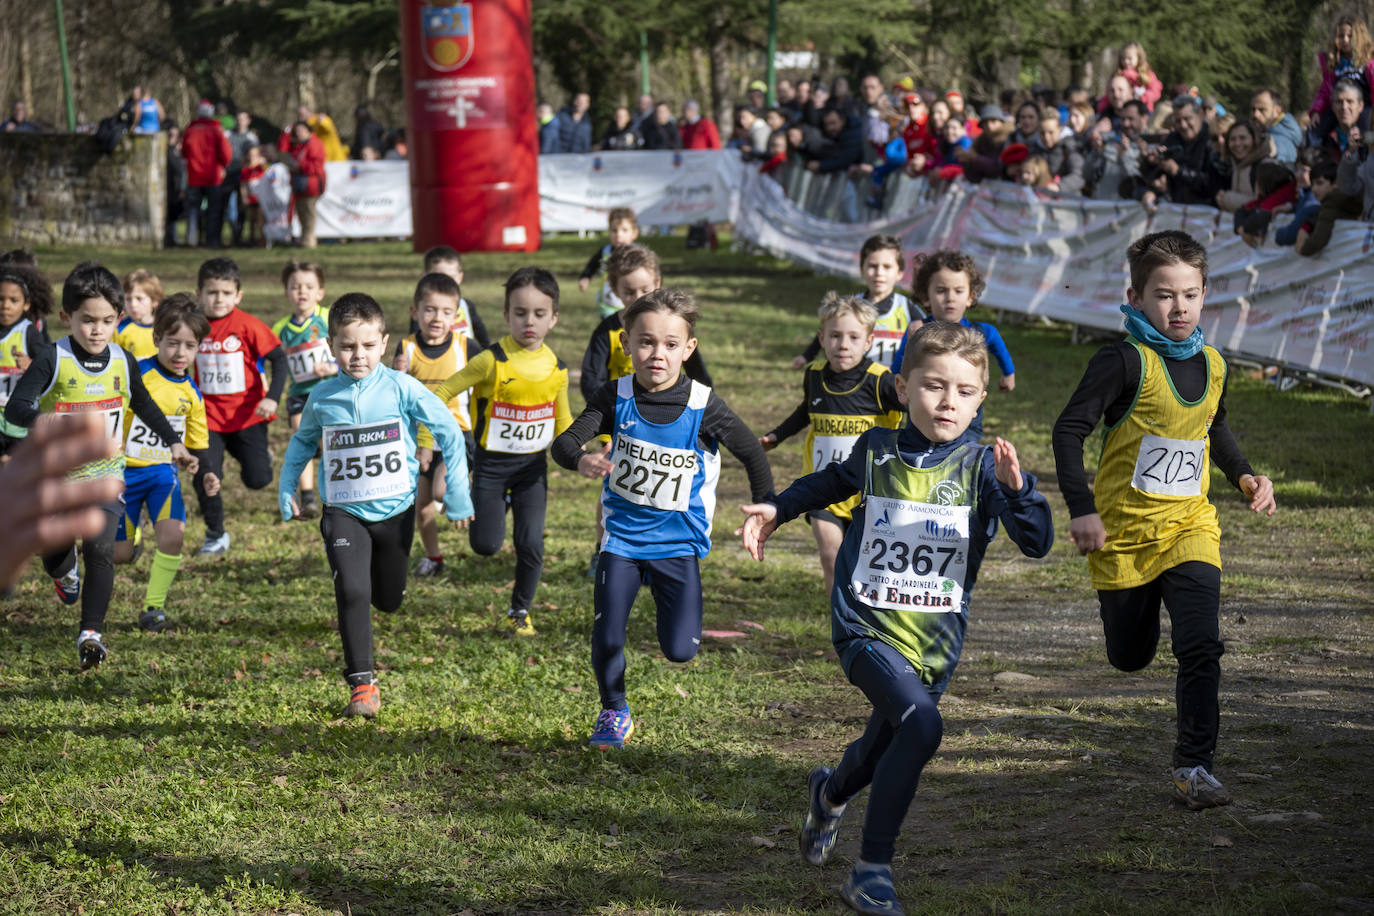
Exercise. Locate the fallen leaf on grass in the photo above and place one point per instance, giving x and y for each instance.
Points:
(572, 688)
(749, 623)
(680, 692)
(762, 842)
(1221, 840)
(279, 781)
(723, 634)
(610, 842)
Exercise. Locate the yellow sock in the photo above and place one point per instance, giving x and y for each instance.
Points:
(160, 580)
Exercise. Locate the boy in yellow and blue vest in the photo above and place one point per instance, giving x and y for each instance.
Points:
(304, 336)
(432, 355)
(881, 262)
(87, 372)
(520, 392)
(1150, 534)
(150, 477)
(844, 394)
(930, 503)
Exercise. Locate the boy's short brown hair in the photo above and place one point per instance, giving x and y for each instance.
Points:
(947, 259)
(178, 310)
(674, 300)
(626, 259)
(834, 305)
(876, 243)
(621, 215)
(146, 279)
(301, 267)
(1161, 249)
(938, 337)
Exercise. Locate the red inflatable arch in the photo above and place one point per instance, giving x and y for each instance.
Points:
(474, 144)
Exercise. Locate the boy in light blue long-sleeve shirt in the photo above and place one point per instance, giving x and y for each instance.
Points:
(366, 418)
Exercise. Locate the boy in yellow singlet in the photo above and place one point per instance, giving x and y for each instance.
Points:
(521, 402)
(844, 394)
(88, 373)
(433, 354)
(1150, 534)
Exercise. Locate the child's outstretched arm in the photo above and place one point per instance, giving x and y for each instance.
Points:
(433, 414)
(595, 420)
(998, 348)
(1017, 504)
(761, 520)
(721, 423)
(1227, 456)
(299, 451)
(795, 423)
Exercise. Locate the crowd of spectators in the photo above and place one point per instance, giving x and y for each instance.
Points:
(1271, 170)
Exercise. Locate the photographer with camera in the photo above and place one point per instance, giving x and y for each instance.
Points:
(1184, 168)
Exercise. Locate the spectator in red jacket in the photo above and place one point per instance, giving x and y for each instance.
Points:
(697, 132)
(205, 147)
(305, 155)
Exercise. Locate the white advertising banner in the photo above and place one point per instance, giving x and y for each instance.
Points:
(364, 200)
(1066, 259)
(663, 187)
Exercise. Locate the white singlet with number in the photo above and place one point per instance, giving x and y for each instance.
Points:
(1170, 467)
(145, 445)
(885, 343)
(520, 429)
(913, 556)
(9, 377)
(111, 411)
(303, 358)
(653, 475)
(363, 463)
(826, 450)
(220, 373)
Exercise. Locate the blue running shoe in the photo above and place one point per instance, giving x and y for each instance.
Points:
(613, 726)
(91, 648)
(69, 587)
(817, 839)
(870, 891)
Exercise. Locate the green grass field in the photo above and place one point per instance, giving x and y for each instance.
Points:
(207, 771)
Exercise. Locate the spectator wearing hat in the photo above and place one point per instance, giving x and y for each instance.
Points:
(205, 147)
(958, 108)
(983, 159)
(758, 95)
(697, 132)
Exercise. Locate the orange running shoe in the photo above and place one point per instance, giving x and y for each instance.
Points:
(365, 701)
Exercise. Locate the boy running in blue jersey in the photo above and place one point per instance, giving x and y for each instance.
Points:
(366, 417)
(930, 505)
(658, 494)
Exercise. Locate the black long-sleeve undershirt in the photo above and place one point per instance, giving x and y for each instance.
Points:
(718, 423)
(22, 408)
(281, 373)
(800, 418)
(1106, 392)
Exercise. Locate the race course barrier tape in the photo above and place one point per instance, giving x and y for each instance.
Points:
(1065, 258)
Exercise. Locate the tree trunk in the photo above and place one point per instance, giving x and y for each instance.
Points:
(719, 51)
(305, 85)
(26, 70)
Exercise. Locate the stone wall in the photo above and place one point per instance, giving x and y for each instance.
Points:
(63, 189)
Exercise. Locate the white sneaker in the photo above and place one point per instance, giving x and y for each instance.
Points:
(215, 546)
(428, 567)
(1198, 789)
